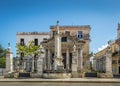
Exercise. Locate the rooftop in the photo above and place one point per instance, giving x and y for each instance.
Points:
(72, 26)
(33, 33)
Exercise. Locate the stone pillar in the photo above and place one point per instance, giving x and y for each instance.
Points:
(49, 60)
(108, 63)
(108, 66)
(74, 63)
(67, 59)
(24, 65)
(32, 63)
(40, 65)
(17, 64)
(117, 65)
(94, 64)
(27, 65)
(41, 56)
(80, 59)
(9, 61)
(45, 61)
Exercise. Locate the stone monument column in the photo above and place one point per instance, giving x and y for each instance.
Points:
(9, 60)
(58, 64)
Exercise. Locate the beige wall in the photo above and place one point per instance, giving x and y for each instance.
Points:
(73, 31)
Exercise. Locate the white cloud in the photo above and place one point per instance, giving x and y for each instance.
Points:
(102, 47)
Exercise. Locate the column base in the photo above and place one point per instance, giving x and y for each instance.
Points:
(78, 74)
(60, 68)
(105, 75)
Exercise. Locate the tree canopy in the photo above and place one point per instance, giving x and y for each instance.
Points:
(2, 56)
(28, 49)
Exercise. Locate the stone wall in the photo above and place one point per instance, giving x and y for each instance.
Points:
(31, 37)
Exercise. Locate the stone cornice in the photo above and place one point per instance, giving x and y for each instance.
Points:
(77, 26)
(33, 33)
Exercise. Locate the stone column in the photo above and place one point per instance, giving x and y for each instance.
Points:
(17, 64)
(75, 62)
(45, 61)
(117, 65)
(9, 61)
(67, 59)
(58, 64)
(41, 56)
(94, 64)
(27, 65)
(40, 65)
(32, 63)
(49, 60)
(108, 63)
(80, 59)
(24, 65)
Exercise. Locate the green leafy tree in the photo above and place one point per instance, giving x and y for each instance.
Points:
(29, 49)
(2, 56)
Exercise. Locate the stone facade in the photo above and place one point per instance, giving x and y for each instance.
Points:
(103, 57)
(23, 38)
(66, 51)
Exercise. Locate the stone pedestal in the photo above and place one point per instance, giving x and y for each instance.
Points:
(9, 61)
(40, 67)
(74, 65)
(9, 64)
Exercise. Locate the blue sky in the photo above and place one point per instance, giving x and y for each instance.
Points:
(38, 15)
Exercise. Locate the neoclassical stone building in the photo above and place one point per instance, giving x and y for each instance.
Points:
(69, 36)
(100, 60)
(23, 38)
(66, 48)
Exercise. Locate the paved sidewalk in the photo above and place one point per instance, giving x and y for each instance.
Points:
(93, 80)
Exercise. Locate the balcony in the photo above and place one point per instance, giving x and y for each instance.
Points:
(118, 41)
(116, 53)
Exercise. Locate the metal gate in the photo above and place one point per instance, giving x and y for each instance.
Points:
(2, 71)
(90, 74)
(24, 74)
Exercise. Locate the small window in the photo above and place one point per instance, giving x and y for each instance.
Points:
(80, 34)
(22, 42)
(54, 33)
(21, 56)
(36, 42)
(67, 32)
(64, 39)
